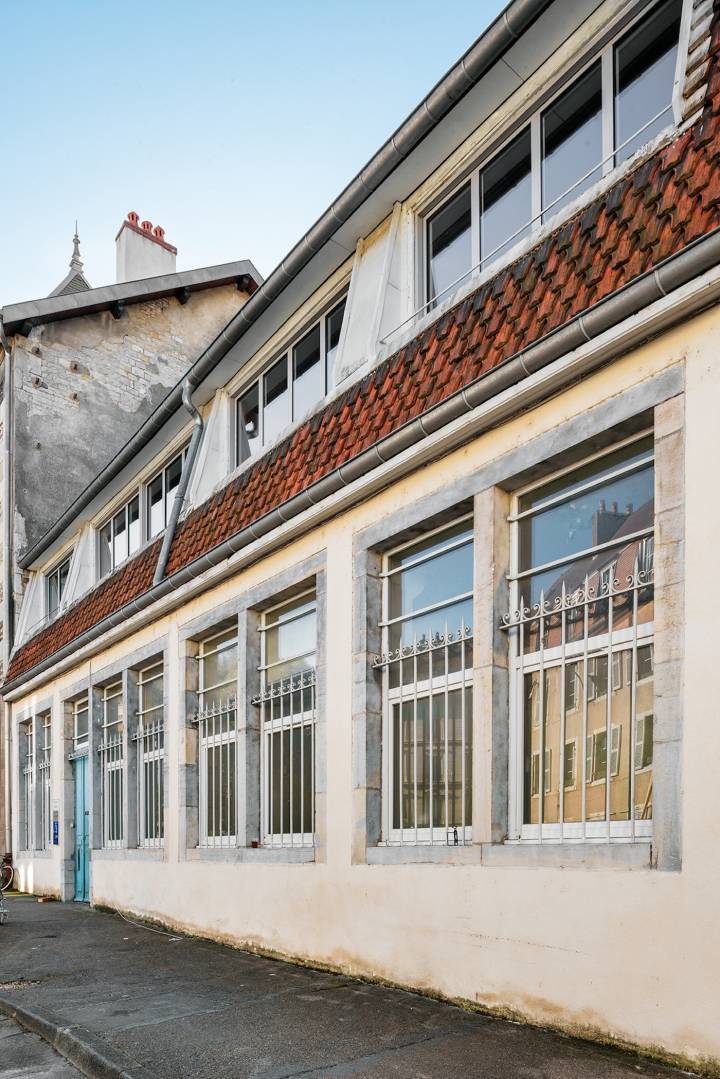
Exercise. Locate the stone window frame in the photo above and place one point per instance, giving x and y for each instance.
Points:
(247, 609)
(659, 402)
(126, 669)
(33, 712)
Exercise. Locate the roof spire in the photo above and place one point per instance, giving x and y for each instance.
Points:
(76, 262)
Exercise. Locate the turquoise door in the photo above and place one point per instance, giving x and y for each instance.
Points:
(82, 831)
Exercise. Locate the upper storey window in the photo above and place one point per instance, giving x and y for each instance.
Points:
(120, 536)
(55, 583)
(289, 386)
(617, 104)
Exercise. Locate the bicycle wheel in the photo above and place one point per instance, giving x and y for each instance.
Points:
(6, 876)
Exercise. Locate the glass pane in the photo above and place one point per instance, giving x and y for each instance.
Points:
(551, 727)
(81, 724)
(644, 74)
(596, 742)
(643, 750)
(248, 424)
(173, 472)
(290, 799)
(104, 548)
(293, 635)
(120, 539)
(572, 775)
(572, 142)
(444, 619)
(531, 748)
(276, 412)
(506, 198)
(134, 524)
(152, 693)
(308, 374)
(449, 243)
(63, 574)
(53, 597)
(219, 668)
(113, 713)
(220, 794)
(333, 326)
(156, 518)
(443, 577)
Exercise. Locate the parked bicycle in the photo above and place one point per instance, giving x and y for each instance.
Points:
(6, 878)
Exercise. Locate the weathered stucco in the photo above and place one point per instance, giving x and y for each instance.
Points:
(619, 949)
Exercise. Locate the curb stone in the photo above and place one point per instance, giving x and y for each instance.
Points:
(90, 1054)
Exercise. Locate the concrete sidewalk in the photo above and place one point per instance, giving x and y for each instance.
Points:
(185, 1007)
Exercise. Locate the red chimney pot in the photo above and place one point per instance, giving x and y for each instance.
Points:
(159, 232)
(146, 226)
(133, 218)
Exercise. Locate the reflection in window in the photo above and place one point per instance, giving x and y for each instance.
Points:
(55, 583)
(506, 198)
(290, 387)
(427, 670)
(449, 244)
(287, 709)
(581, 633)
(572, 142)
(644, 73)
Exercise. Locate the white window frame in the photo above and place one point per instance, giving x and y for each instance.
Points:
(44, 779)
(214, 733)
(299, 689)
(431, 687)
(145, 515)
(64, 564)
(584, 651)
(541, 217)
(286, 352)
(112, 763)
(150, 742)
(110, 520)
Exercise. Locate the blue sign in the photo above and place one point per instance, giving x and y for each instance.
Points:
(56, 832)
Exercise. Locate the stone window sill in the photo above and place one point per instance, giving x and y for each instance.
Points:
(567, 855)
(252, 855)
(143, 854)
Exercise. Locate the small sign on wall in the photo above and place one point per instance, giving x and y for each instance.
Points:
(56, 828)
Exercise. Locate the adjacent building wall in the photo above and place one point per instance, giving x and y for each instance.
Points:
(606, 945)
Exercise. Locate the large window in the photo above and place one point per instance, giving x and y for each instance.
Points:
(43, 774)
(27, 775)
(427, 688)
(112, 765)
(287, 704)
(55, 583)
(159, 495)
(619, 103)
(290, 386)
(217, 734)
(150, 741)
(120, 536)
(581, 630)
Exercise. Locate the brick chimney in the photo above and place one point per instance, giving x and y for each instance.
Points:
(141, 250)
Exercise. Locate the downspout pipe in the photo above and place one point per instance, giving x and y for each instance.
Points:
(499, 37)
(185, 478)
(8, 606)
(677, 270)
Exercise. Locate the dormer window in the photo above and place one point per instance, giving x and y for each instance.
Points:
(120, 536)
(159, 495)
(55, 583)
(289, 386)
(617, 104)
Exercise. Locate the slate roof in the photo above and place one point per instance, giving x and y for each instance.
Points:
(669, 200)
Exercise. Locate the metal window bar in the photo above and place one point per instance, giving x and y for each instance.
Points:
(112, 770)
(613, 623)
(216, 720)
(150, 747)
(427, 690)
(287, 757)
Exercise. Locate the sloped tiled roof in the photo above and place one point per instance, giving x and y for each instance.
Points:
(669, 200)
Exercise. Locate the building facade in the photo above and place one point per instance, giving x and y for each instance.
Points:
(405, 674)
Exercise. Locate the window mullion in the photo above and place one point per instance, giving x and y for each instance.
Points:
(475, 220)
(608, 109)
(536, 165)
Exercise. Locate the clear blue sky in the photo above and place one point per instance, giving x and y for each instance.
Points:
(233, 125)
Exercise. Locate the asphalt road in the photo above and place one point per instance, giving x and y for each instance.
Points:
(186, 1007)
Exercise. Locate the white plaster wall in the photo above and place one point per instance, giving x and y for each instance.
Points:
(632, 952)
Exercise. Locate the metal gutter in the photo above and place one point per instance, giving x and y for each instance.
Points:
(182, 486)
(677, 270)
(8, 604)
(462, 77)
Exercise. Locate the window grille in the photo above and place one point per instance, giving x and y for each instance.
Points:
(581, 656)
(217, 735)
(112, 766)
(287, 702)
(426, 668)
(28, 785)
(150, 742)
(44, 760)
